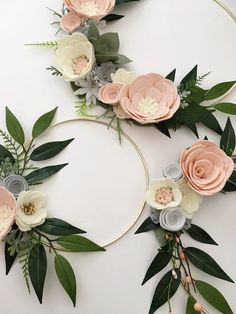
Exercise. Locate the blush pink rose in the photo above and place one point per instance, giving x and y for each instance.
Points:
(7, 211)
(70, 21)
(150, 99)
(206, 167)
(91, 9)
(109, 93)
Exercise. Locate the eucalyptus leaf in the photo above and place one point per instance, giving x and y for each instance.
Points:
(101, 58)
(213, 297)
(198, 234)
(4, 153)
(112, 17)
(93, 32)
(190, 306)
(228, 140)
(167, 287)
(66, 276)
(211, 122)
(171, 75)
(38, 269)
(147, 225)
(226, 107)
(219, 90)
(161, 260)
(122, 59)
(58, 227)
(9, 259)
(49, 150)
(111, 40)
(43, 173)
(206, 263)
(43, 123)
(76, 243)
(14, 127)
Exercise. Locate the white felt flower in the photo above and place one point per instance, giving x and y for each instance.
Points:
(123, 77)
(75, 57)
(163, 193)
(172, 219)
(30, 210)
(191, 200)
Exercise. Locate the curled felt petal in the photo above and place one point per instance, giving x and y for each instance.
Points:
(70, 21)
(109, 93)
(172, 219)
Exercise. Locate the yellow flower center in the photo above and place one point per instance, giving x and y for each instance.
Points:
(89, 8)
(164, 196)
(148, 106)
(28, 209)
(79, 64)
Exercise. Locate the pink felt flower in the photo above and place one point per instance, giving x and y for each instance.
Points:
(206, 167)
(150, 99)
(70, 21)
(91, 9)
(7, 211)
(109, 93)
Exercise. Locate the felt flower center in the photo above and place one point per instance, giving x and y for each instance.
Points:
(79, 65)
(89, 8)
(5, 214)
(164, 196)
(200, 171)
(147, 105)
(28, 209)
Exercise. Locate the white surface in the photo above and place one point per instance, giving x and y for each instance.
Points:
(158, 36)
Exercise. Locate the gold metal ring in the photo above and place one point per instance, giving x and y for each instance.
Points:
(143, 161)
(226, 9)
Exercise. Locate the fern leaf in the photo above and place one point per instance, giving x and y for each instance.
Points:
(46, 44)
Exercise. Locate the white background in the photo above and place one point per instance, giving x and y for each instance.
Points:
(158, 36)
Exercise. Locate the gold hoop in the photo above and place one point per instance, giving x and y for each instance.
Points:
(226, 9)
(143, 161)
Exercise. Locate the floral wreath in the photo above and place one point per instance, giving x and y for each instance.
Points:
(24, 226)
(93, 65)
(204, 169)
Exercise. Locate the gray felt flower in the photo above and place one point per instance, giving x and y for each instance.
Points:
(15, 184)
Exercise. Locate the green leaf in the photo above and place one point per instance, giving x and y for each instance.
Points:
(171, 75)
(101, 58)
(228, 140)
(49, 150)
(76, 243)
(38, 269)
(211, 123)
(112, 17)
(111, 40)
(4, 153)
(219, 90)
(43, 173)
(189, 80)
(66, 276)
(147, 225)
(206, 263)
(14, 127)
(9, 259)
(166, 287)
(231, 183)
(193, 114)
(122, 59)
(163, 128)
(190, 306)
(193, 128)
(58, 227)
(213, 297)
(43, 123)
(160, 261)
(196, 96)
(198, 234)
(226, 107)
(93, 32)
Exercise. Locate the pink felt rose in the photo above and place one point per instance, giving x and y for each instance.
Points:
(206, 167)
(150, 99)
(70, 21)
(91, 9)
(109, 93)
(7, 211)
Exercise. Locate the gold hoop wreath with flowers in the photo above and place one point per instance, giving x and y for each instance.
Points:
(24, 225)
(93, 65)
(204, 169)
